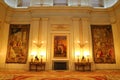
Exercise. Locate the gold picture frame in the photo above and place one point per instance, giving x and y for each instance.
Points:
(60, 46)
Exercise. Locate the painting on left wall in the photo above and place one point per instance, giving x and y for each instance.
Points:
(18, 39)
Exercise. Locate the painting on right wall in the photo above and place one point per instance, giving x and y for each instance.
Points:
(103, 44)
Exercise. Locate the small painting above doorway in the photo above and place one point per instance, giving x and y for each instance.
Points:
(60, 46)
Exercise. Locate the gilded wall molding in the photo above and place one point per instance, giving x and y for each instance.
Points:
(60, 27)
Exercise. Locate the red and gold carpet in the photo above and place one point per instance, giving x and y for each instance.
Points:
(60, 75)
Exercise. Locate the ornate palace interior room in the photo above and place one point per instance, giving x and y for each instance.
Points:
(75, 36)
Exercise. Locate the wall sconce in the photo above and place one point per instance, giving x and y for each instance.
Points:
(38, 44)
(86, 54)
(42, 54)
(77, 55)
(82, 44)
(34, 53)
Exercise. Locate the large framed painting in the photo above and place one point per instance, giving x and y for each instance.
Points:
(60, 46)
(103, 44)
(18, 40)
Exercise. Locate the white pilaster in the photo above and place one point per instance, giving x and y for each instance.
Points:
(35, 29)
(4, 43)
(86, 35)
(44, 32)
(76, 30)
(44, 27)
(76, 25)
(115, 30)
(0, 35)
(85, 28)
(34, 34)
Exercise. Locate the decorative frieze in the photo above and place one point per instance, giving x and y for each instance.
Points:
(60, 27)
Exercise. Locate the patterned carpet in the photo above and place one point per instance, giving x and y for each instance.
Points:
(60, 75)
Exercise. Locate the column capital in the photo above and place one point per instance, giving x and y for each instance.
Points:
(85, 19)
(75, 19)
(35, 19)
(44, 19)
(113, 19)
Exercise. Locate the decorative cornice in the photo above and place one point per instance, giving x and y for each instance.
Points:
(41, 11)
(53, 10)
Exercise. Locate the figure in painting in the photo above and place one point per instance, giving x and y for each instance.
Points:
(59, 50)
(16, 52)
(99, 53)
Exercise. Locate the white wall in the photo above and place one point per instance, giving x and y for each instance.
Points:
(2, 18)
(117, 13)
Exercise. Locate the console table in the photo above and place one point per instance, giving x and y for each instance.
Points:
(37, 66)
(83, 66)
